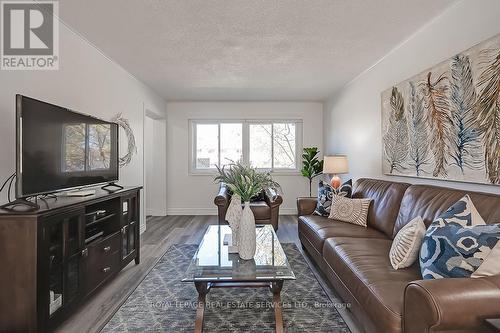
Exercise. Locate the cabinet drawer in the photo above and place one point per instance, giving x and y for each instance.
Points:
(103, 261)
(99, 270)
(106, 247)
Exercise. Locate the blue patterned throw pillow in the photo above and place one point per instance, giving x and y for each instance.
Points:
(457, 242)
(325, 195)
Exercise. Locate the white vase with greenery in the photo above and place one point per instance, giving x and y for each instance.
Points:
(246, 182)
(233, 217)
(247, 233)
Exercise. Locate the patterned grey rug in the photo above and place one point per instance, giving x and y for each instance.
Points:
(162, 303)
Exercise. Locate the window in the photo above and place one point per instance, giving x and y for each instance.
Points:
(269, 145)
(74, 148)
(261, 145)
(99, 142)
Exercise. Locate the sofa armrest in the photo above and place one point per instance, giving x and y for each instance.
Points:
(222, 198)
(450, 304)
(278, 200)
(306, 205)
(272, 197)
(222, 202)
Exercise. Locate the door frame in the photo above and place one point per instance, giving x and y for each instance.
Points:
(159, 145)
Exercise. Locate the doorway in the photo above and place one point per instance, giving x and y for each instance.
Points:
(155, 173)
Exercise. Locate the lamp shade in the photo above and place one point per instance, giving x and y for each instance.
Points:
(335, 165)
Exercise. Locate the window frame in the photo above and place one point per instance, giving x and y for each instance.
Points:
(193, 170)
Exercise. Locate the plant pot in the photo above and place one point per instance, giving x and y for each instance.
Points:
(247, 234)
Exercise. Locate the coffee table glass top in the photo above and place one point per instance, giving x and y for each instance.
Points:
(212, 261)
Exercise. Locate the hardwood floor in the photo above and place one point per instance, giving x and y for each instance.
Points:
(161, 233)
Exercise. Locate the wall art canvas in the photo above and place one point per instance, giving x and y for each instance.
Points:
(444, 123)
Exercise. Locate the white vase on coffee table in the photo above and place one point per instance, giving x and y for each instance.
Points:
(233, 216)
(247, 234)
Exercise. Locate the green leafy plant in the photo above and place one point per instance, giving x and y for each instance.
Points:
(245, 181)
(311, 165)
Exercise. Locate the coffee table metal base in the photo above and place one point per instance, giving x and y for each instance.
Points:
(204, 287)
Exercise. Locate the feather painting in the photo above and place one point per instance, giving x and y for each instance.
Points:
(465, 150)
(418, 136)
(439, 120)
(452, 117)
(488, 111)
(396, 137)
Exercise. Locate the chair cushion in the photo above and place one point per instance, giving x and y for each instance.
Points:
(364, 267)
(260, 210)
(318, 228)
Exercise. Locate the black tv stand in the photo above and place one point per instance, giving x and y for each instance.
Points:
(11, 206)
(108, 186)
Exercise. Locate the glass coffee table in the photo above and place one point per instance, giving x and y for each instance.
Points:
(213, 266)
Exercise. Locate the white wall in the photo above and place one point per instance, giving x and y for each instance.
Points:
(353, 115)
(194, 194)
(86, 81)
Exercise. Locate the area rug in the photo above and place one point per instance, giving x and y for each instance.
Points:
(162, 303)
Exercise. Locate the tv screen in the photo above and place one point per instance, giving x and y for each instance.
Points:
(58, 149)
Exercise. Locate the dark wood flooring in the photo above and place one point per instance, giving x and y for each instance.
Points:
(161, 233)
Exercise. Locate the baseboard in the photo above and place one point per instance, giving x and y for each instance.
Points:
(156, 212)
(288, 211)
(213, 211)
(191, 211)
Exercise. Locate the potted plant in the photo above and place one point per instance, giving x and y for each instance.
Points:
(245, 182)
(311, 165)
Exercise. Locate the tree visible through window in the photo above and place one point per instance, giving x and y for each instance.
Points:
(87, 147)
(284, 145)
(261, 146)
(99, 146)
(74, 148)
(265, 145)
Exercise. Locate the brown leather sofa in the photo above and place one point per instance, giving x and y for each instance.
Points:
(265, 211)
(355, 259)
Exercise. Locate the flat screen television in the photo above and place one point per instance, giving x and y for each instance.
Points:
(59, 149)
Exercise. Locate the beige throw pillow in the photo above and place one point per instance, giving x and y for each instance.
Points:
(490, 265)
(349, 210)
(406, 245)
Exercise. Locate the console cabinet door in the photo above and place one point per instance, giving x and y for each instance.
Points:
(59, 264)
(130, 227)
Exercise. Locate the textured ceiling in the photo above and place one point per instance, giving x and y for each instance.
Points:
(247, 49)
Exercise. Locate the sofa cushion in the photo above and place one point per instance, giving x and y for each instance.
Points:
(363, 265)
(318, 228)
(456, 243)
(386, 198)
(431, 201)
(406, 245)
(350, 210)
(490, 265)
(326, 193)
